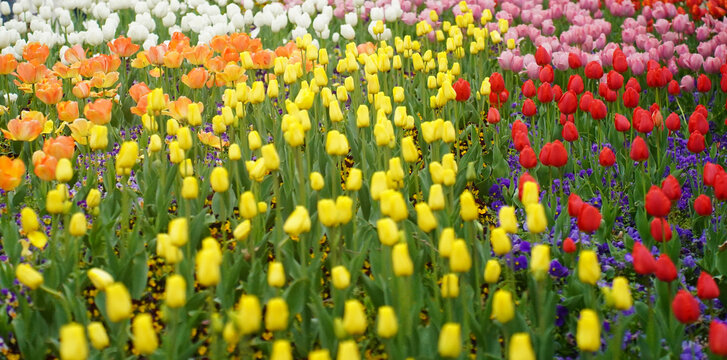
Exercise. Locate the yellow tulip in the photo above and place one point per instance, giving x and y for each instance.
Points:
(97, 334)
(219, 179)
(425, 218)
(492, 271)
(402, 263)
(128, 153)
(348, 350)
(468, 208)
(99, 278)
(73, 342)
(190, 188)
(353, 182)
(387, 325)
(298, 222)
(78, 224)
(508, 221)
(621, 293)
(322, 354)
(316, 181)
(276, 315)
(249, 314)
(520, 346)
(500, 241)
(450, 286)
(175, 293)
(460, 260)
(540, 260)
(145, 337)
(254, 141)
(340, 277)
(535, 217)
(354, 317)
(388, 231)
(589, 271)
(281, 350)
(503, 309)
(588, 335)
(248, 205)
(276, 274)
(446, 239)
(450, 340)
(29, 220)
(28, 276)
(118, 302)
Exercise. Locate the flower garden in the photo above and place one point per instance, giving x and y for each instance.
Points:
(350, 179)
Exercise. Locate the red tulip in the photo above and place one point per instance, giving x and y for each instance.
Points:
(634, 84)
(558, 154)
(723, 82)
(557, 93)
(570, 133)
(656, 202)
(544, 155)
(566, 118)
(619, 62)
(674, 89)
(569, 246)
(703, 110)
(542, 56)
(685, 307)
(639, 149)
(575, 205)
(718, 338)
(660, 230)
(575, 84)
(574, 62)
(606, 158)
(521, 182)
(706, 287)
(585, 102)
(671, 188)
(644, 262)
(493, 116)
(528, 89)
(710, 173)
(643, 122)
(720, 186)
(698, 122)
(497, 83)
(615, 80)
(518, 126)
(695, 144)
(546, 74)
(568, 102)
(673, 123)
(630, 98)
(545, 93)
(529, 108)
(657, 78)
(603, 89)
(521, 141)
(462, 88)
(703, 83)
(611, 96)
(665, 269)
(594, 70)
(621, 123)
(589, 219)
(598, 109)
(703, 205)
(527, 158)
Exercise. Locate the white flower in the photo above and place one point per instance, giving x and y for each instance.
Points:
(298, 32)
(238, 21)
(351, 18)
(376, 14)
(232, 10)
(161, 10)
(169, 20)
(335, 37)
(321, 23)
(348, 32)
(10, 97)
(248, 4)
(5, 8)
(137, 32)
(279, 23)
(309, 7)
(150, 41)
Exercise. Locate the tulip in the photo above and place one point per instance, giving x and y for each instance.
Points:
(73, 342)
(388, 231)
(606, 158)
(703, 205)
(657, 203)
(281, 350)
(386, 325)
(276, 274)
(100, 279)
(322, 354)
(28, 276)
(468, 208)
(276, 315)
(354, 180)
(644, 262)
(340, 277)
(503, 308)
(249, 314)
(145, 337)
(450, 340)
(639, 150)
(446, 239)
(535, 217)
(175, 294)
(500, 241)
(316, 181)
(588, 336)
(219, 179)
(29, 220)
(242, 230)
(492, 271)
(589, 218)
(178, 230)
(706, 287)
(127, 155)
(660, 230)
(460, 260)
(190, 188)
(348, 350)
(685, 307)
(589, 271)
(530, 193)
(354, 317)
(97, 334)
(718, 338)
(521, 347)
(665, 269)
(425, 218)
(621, 293)
(540, 260)
(118, 302)
(401, 261)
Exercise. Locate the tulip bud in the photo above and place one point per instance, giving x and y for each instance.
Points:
(348, 350)
(175, 294)
(207, 264)
(97, 334)
(93, 199)
(460, 260)
(316, 181)
(402, 263)
(589, 271)
(190, 188)
(155, 143)
(508, 221)
(436, 197)
(387, 325)
(322, 354)
(242, 230)
(172, 126)
(145, 337)
(249, 314)
(344, 209)
(298, 222)
(254, 141)
(281, 350)
(450, 341)
(468, 208)
(99, 137)
(248, 205)
(500, 241)
(425, 219)
(78, 224)
(219, 179)
(520, 346)
(535, 216)
(450, 286)
(409, 150)
(388, 231)
(270, 157)
(446, 239)
(362, 116)
(540, 260)
(118, 302)
(503, 309)
(276, 274)
(176, 154)
(353, 182)
(354, 318)
(64, 170)
(588, 336)
(73, 342)
(340, 277)
(29, 220)
(100, 279)
(54, 202)
(276, 315)
(530, 193)
(492, 271)
(194, 114)
(128, 153)
(178, 230)
(621, 293)
(28, 276)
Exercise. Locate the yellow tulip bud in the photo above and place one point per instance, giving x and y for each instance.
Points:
(270, 157)
(298, 222)
(450, 286)
(340, 277)
(178, 230)
(409, 150)
(248, 205)
(155, 143)
(460, 260)
(172, 126)
(28, 276)
(503, 309)
(254, 141)
(99, 137)
(535, 217)
(511, 44)
(362, 116)
(394, 205)
(97, 334)
(276, 315)
(281, 350)
(503, 25)
(348, 350)
(128, 153)
(249, 314)
(29, 220)
(395, 174)
(492, 271)
(175, 294)
(378, 185)
(336, 143)
(468, 208)
(520, 346)
(588, 335)
(37, 239)
(436, 197)
(64, 170)
(388, 231)
(387, 325)
(398, 94)
(322, 354)
(403, 266)
(242, 230)
(327, 212)
(446, 239)
(93, 199)
(344, 209)
(508, 221)
(589, 271)
(425, 218)
(621, 293)
(78, 224)
(540, 260)
(450, 340)
(448, 132)
(190, 188)
(276, 274)
(145, 337)
(530, 193)
(100, 279)
(354, 318)
(194, 115)
(207, 265)
(73, 342)
(316, 181)
(118, 302)
(500, 241)
(219, 179)
(54, 201)
(353, 182)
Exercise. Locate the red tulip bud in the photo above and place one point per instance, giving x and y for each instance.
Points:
(685, 307)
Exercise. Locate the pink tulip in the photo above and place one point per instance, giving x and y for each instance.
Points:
(712, 65)
(687, 83)
(661, 26)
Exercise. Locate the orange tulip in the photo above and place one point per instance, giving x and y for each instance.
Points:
(82, 89)
(366, 48)
(123, 47)
(35, 53)
(179, 42)
(81, 130)
(230, 54)
(65, 72)
(103, 63)
(138, 90)
(286, 50)
(44, 165)
(27, 127)
(75, 54)
(178, 109)
(49, 92)
(210, 139)
(219, 42)
(243, 42)
(215, 64)
(104, 80)
(11, 173)
(198, 55)
(140, 108)
(7, 64)
(263, 59)
(173, 59)
(196, 78)
(232, 74)
(99, 111)
(155, 54)
(67, 110)
(30, 73)
(60, 148)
